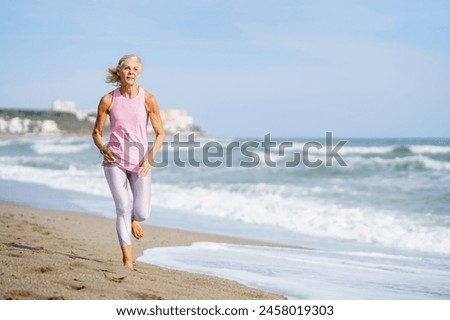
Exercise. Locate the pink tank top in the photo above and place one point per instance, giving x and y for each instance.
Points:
(128, 137)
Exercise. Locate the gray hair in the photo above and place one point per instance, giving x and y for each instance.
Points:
(113, 72)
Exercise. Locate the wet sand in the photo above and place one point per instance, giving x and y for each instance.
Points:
(49, 254)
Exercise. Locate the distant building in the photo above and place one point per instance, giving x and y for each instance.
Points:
(18, 125)
(64, 106)
(176, 120)
(49, 126)
(70, 107)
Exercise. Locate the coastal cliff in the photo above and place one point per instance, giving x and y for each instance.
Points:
(59, 122)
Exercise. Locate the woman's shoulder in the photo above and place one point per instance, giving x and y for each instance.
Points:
(108, 97)
(106, 100)
(149, 100)
(148, 95)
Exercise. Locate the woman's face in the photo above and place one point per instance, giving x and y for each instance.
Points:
(130, 71)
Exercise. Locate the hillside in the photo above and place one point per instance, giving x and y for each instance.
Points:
(50, 122)
(31, 120)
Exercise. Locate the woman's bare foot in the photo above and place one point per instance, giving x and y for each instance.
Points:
(127, 257)
(136, 229)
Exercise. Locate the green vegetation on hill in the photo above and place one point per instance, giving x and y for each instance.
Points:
(67, 122)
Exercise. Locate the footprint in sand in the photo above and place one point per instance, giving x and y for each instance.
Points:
(76, 287)
(44, 269)
(114, 279)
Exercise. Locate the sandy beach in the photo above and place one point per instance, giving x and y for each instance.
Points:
(48, 254)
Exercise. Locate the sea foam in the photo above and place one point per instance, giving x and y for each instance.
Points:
(311, 274)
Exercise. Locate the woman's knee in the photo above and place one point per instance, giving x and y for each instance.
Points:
(141, 214)
(123, 210)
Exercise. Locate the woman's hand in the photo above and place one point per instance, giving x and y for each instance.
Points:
(145, 168)
(107, 154)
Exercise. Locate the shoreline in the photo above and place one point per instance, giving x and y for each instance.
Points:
(53, 254)
(88, 134)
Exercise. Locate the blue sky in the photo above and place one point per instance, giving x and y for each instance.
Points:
(243, 68)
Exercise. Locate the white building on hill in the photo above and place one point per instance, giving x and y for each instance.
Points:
(25, 126)
(176, 120)
(64, 106)
(70, 107)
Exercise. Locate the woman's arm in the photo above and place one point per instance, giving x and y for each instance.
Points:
(155, 119)
(97, 133)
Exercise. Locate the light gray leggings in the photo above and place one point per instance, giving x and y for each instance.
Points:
(118, 180)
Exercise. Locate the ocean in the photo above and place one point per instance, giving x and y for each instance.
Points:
(375, 212)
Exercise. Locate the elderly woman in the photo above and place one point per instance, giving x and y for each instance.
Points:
(126, 157)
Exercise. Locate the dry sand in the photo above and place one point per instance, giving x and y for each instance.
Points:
(48, 254)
